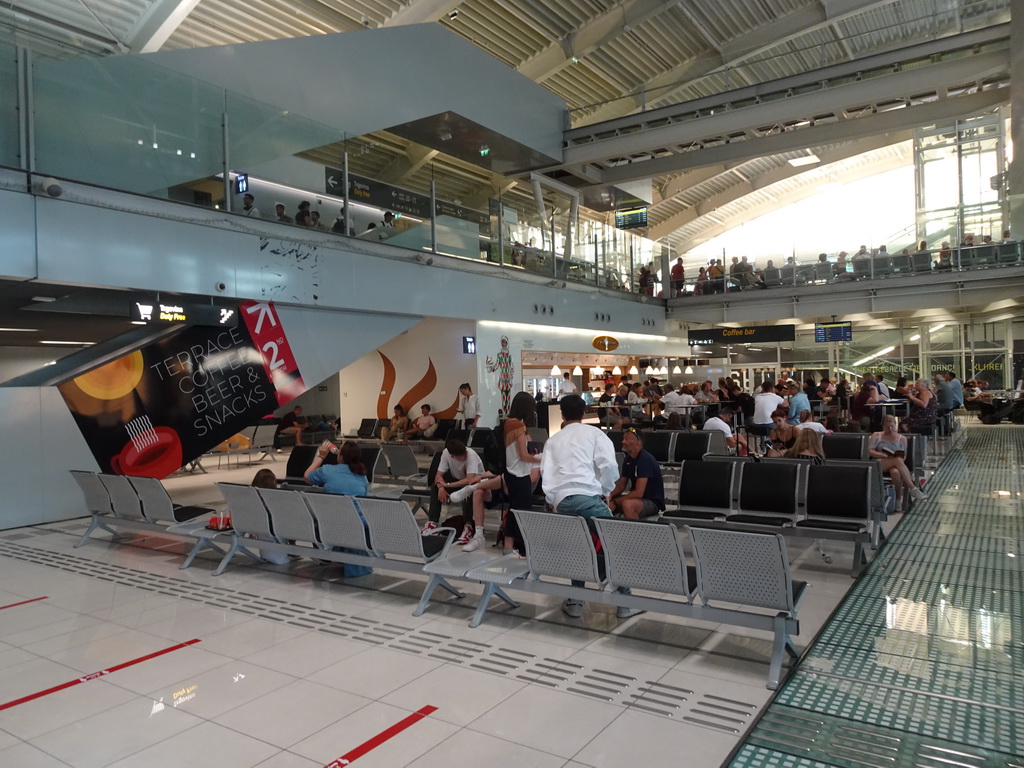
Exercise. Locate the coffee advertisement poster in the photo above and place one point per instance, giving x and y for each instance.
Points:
(153, 410)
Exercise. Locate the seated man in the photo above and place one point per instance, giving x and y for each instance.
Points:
(291, 424)
(640, 471)
(721, 422)
(423, 425)
(460, 467)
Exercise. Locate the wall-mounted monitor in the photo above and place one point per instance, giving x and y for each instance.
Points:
(824, 332)
(630, 218)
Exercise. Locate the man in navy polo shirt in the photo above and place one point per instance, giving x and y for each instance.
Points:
(641, 473)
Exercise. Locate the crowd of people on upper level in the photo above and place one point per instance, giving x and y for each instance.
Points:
(742, 274)
(307, 216)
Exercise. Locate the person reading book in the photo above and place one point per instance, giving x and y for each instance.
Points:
(890, 448)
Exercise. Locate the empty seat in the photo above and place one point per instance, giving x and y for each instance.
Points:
(660, 445)
(615, 435)
(771, 277)
(402, 465)
(290, 517)
(157, 504)
(123, 499)
(769, 493)
(839, 499)
(861, 268)
(901, 263)
(647, 556)
(367, 428)
(706, 490)
(845, 446)
(690, 446)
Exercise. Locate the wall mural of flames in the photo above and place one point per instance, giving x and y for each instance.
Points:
(417, 395)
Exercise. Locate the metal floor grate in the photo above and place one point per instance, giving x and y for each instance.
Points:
(702, 709)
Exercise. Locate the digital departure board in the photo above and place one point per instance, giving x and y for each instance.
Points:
(630, 218)
(833, 331)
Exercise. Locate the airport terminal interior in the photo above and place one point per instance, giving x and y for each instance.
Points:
(234, 229)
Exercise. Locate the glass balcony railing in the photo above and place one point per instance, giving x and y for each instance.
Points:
(715, 281)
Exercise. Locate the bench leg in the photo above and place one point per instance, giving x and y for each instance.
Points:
(860, 560)
(235, 548)
(201, 544)
(434, 582)
(780, 647)
(96, 523)
(481, 607)
(501, 593)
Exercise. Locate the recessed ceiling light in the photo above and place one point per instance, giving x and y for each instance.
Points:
(70, 343)
(44, 298)
(804, 160)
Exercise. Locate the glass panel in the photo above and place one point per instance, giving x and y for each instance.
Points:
(9, 140)
(990, 367)
(125, 123)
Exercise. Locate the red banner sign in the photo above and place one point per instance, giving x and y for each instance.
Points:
(278, 361)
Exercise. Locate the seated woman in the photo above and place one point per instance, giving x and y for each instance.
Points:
(807, 421)
(807, 446)
(347, 477)
(899, 392)
(860, 413)
(890, 448)
(265, 478)
(394, 430)
(782, 436)
(924, 408)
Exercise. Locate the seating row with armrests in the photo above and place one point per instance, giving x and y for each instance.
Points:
(673, 446)
(369, 429)
(791, 496)
(749, 570)
(133, 503)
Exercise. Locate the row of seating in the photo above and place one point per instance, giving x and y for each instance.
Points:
(749, 570)
(794, 497)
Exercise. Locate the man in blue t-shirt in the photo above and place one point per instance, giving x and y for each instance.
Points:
(640, 471)
(797, 402)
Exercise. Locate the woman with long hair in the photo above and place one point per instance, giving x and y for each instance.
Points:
(347, 477)
(890, 448)
(806, 446)
(782, 436)
(396, 427)
(521, 469)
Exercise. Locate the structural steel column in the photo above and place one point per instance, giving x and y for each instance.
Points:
(1016, 170)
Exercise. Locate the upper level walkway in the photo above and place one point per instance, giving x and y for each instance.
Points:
(921, 663)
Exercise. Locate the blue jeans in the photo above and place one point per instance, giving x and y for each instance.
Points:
(585, 507)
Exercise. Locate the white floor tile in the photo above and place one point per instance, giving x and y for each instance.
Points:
(27, 756)
(461, 695)
(7, 740)
(33, 676)
(95, 655)
(221, 689)
(662, 742)
(249, 637)
(167, 669)
(286, 759)
(473, 748)
(30, 637)
(34, 718)
(292, 713)
(375, 672)
(98, 741)
(308, 653)
(399, 750)
(528, 717)
(206, 744)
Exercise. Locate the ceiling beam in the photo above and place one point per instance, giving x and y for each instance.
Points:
(421, 12)
(785, 171)
(816, 136)
(591, 35)
(157, 24)
(669, 84)
(404, 166)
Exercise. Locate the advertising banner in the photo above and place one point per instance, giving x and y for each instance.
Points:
(153, 410)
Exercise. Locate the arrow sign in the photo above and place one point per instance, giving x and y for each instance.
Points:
(331, 183)
(265, 313)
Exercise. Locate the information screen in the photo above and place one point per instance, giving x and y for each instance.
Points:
(629, 218)
(833, 331)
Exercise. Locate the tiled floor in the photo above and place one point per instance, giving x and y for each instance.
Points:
(294, 667)
(923, 663)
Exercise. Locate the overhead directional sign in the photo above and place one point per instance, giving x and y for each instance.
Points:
(742, 335)
(152, 311)
(390, 198)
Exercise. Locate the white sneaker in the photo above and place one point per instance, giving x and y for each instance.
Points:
(476, 542)
(917, 494)
(429, 528)
(622, 612)
(572, 608)
(467, 534)
(462, 494)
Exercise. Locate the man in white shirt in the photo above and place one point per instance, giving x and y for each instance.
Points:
(579, 470)
(566, 386)
(721, 423)
(460, 466)
(882, 387)
(679, 402)
(248, 208)
(469, 407)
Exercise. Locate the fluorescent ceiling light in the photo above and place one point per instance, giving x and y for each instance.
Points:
(44, 298)
(19, 330)
(810, 159)
(70, 343)
(879, 353)
(935, 328)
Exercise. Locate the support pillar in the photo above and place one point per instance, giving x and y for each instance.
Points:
(1015, 179)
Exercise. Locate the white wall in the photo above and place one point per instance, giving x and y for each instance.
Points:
(365, 393)
(16, 361)
(40, 443)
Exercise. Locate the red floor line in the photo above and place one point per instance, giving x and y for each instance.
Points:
(380, 738)
(24, 602)
(94, 675)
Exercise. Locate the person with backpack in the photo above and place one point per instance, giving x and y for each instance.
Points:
(516, 469)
